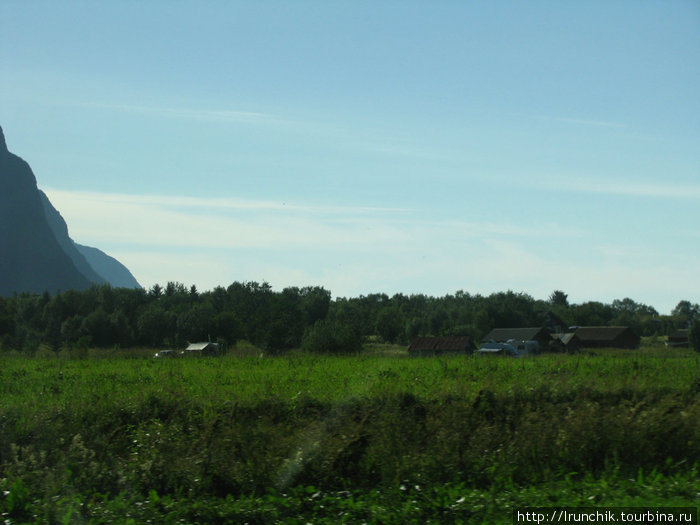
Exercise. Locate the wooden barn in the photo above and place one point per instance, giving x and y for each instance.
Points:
(429, 346)
(503, 335)
(607, 337)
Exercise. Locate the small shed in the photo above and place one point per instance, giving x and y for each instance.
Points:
(503, 335)
(429, 346)
(678, 338)
(202, 349)
(607, 337)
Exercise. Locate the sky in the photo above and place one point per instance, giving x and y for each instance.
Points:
(369, 147)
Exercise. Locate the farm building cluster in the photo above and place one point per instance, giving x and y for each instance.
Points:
(517, 342)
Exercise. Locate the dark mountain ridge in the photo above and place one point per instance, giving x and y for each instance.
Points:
(36, 253)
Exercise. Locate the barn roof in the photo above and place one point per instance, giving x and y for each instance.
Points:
(600, 333)
(519, 334)
(441, 344)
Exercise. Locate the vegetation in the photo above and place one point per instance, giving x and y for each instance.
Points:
(172, 316)
(345, 439)
(316, 414)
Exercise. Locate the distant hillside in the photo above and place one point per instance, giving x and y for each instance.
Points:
(36, 253)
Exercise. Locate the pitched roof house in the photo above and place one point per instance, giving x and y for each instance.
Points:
(423, 346)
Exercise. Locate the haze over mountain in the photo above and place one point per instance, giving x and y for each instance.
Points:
(37, 253)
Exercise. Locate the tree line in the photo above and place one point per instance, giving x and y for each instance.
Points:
(306, 317)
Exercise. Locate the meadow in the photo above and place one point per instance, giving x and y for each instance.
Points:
(371, 438)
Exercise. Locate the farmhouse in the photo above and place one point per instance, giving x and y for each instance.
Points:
(503, 335)
(425, 346)
(678, 338)
(607, 337)
(202, 349)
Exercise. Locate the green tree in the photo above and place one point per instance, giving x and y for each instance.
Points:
(330, 337)
(559, 298)
(389, 324)
(155, 326)
(694, 335)
(685, 313)
(228, 327)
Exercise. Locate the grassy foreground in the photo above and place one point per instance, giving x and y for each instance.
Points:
(322, 439)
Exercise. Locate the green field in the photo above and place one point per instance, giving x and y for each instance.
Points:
(376, 438)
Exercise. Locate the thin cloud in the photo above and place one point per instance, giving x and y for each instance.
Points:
(217, 115)
(631, 188)
(235, 224)
(584, 122)
(180, 201)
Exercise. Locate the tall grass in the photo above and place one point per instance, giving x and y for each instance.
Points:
(119, 429)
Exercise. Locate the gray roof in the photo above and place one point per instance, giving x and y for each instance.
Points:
(200, 346)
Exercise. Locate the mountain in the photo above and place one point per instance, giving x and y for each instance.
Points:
(36, 253)
(91, 262)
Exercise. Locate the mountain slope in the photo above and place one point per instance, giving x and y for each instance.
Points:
(92, 262)
(31, 259)
(60, 230)
(36, 253)
(106, 266)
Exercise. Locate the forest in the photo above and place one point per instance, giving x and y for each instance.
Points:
(295, 317)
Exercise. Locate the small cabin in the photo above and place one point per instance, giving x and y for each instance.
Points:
(202, 349)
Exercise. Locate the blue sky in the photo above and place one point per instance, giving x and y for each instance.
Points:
(414, 147)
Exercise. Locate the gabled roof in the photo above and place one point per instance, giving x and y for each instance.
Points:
(519, 334)
(552, 320)
(600, 333)
(441, 344)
